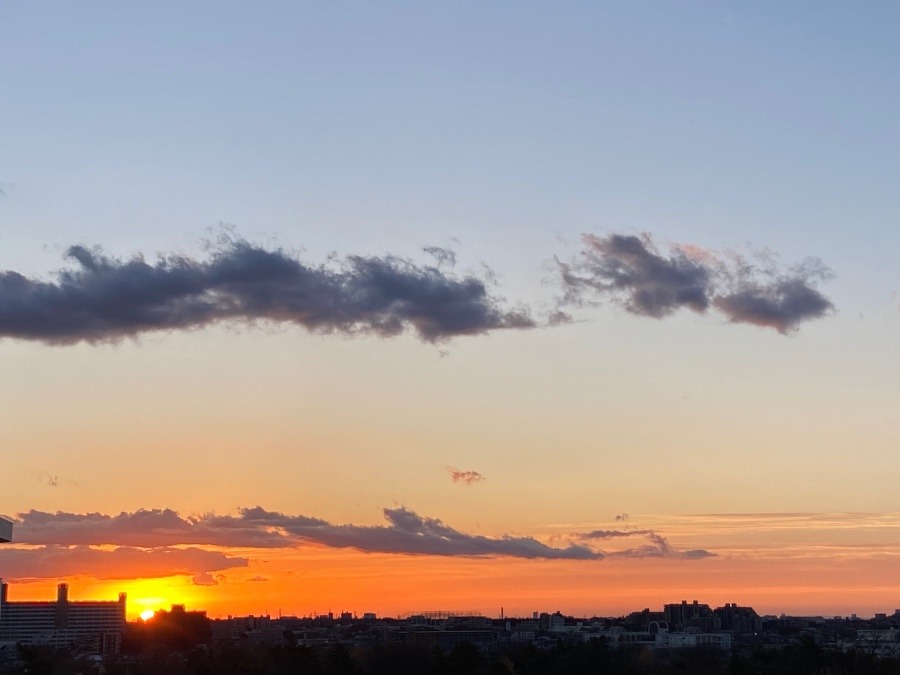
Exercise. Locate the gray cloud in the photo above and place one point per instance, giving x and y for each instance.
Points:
(464, 477)
(782, 305)
(57, 562)
(105, 299)
(633, 272)
(630, 269)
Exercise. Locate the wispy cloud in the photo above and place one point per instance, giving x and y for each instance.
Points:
(443, 256)
(609, 534)
(105, 299)
(657, 546)
(646, 281)
(464, 477)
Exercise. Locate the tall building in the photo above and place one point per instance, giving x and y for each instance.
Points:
(5, 538)
(93, 626)
(689, 615)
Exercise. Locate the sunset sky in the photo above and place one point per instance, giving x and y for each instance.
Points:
(397, 307)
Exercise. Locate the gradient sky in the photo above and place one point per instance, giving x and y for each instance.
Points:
(737, 462)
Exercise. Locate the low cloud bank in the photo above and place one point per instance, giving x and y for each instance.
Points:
(58, 562)
(404, 532)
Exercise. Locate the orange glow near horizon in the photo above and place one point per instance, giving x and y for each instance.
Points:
(392, 585)
(825, 564)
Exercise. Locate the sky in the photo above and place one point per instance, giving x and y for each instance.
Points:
(400, 307)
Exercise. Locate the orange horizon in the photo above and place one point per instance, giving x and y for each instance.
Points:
(393, 585)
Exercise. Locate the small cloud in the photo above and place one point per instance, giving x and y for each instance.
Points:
(622, 517)
(695, 554)
(258, 578)
(48, 479)
(464, 477)
(204, 579)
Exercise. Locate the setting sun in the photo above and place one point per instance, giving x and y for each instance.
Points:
(147, 614)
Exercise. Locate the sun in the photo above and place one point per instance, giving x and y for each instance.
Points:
(147, 614)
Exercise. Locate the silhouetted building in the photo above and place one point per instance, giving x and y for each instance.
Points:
(5, 530)
(177, 630)
(693, 615)
(92, 626)
(740, 620)
(643, 618)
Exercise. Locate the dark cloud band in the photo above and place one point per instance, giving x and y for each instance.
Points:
(104, 299)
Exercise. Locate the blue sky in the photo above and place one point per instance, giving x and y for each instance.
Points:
(361, 126)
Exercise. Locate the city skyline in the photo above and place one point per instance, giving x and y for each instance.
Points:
(584, 307)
